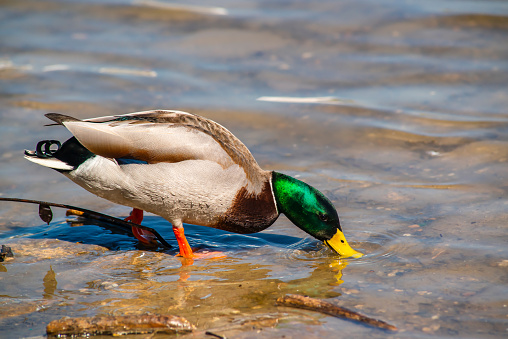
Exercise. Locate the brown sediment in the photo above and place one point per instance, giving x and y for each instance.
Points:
(127, 324)
(300, 301)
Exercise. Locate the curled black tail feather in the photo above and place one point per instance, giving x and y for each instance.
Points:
(43, 149)
(73, 152)
(70, 152)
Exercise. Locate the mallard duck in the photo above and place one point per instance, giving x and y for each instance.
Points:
(186, 169)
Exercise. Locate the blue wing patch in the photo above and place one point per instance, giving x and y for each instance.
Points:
(127, 161)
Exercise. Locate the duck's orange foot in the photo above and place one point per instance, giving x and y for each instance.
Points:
(144, 236)
(204, 254)
(186, 251)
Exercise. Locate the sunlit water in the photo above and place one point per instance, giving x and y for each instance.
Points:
(396, 110)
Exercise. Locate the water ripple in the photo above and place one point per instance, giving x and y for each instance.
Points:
(377, 247)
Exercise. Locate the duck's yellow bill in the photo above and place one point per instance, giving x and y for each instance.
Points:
(339, 244)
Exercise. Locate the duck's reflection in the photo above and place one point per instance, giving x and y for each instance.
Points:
(214, 285)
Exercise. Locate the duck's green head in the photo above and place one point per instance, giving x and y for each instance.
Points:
(310, 210)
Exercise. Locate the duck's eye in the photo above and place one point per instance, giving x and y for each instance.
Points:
(323, 217)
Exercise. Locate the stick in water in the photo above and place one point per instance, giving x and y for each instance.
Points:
(300, 301)
(46, 215)
(117, 325)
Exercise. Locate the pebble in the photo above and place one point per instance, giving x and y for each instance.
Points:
(108, 285)
(503, 263)
(432, 328)
(468, 294)
(423, 292)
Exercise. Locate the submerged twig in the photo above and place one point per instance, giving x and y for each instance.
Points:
(215, 335)
(115, 325)
(46, 215)
(300, 301)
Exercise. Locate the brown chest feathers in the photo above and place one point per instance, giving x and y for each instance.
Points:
(250, 213)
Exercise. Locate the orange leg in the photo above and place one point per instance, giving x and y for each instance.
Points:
(183, 244)
(144, 236)
(186, 251)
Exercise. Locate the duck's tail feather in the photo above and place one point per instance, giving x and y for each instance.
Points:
(59, 118)
(48, 162)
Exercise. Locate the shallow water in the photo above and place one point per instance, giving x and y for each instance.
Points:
(396, 110)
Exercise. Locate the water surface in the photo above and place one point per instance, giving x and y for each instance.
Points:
(396, 110)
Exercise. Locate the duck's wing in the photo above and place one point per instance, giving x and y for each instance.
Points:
(161, 136)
